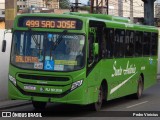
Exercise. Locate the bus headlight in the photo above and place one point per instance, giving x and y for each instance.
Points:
(76, 84)
(12, 79)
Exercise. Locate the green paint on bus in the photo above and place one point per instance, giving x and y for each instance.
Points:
(54, 58)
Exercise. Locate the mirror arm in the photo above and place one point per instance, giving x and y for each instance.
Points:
(91, 63)
(4, 45)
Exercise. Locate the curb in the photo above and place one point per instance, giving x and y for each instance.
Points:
(12, 104)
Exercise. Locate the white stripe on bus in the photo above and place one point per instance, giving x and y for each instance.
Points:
(121, 84)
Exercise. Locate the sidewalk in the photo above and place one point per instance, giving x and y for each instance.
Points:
(6, 104)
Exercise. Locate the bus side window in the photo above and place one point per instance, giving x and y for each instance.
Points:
(103, 44)
(90, 47)
(109, 43)
(154, 43)
(119, 43)
(129, 43)
(138, 43)
(146, 43)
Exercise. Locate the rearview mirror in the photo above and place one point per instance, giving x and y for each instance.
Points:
(4, 45)
(95, 48)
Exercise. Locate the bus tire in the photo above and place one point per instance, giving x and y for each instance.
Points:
(139, 88)
(97, 105)
(39, 105)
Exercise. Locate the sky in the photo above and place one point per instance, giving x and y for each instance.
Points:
(81, 1)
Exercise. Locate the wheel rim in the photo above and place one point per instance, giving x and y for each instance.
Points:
(98, 104)
(140, 89)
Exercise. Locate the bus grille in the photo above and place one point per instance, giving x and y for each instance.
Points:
(43, 94)
(48, 78)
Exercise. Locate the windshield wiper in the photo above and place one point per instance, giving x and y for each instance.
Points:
(59, 39)
(34, 39)
(57, 42)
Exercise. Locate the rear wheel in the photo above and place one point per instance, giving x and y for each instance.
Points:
(97, 105)
(39, 105)
(139, 88)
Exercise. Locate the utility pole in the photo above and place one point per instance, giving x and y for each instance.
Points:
(10, 12)
(76, 5)
(131, 10)
(75, 9)
(97, 7)
(107, 4)
(92, 6)
(149, 12)
(120, 8)
(102, 10)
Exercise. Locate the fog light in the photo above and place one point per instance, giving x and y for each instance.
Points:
(12, 79)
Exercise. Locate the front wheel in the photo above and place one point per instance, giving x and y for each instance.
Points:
(39, 105)
(97, 105)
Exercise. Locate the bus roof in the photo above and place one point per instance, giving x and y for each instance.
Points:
(109, 20)
(116, 22)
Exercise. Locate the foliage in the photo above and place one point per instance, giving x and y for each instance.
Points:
(64, 4)
(86, 8)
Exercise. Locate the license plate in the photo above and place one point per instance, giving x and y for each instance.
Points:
(29, 87)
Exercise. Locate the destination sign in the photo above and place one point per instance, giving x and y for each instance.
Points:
(55, 23)
(26, 59)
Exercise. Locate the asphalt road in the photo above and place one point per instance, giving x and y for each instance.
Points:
(149, 103)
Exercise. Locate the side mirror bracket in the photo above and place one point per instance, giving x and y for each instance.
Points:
(4, 43)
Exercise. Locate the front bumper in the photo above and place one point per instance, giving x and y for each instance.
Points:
(77, 96)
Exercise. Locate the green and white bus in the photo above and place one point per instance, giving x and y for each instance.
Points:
(80, 59)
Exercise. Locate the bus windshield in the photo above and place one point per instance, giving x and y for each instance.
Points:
(48, 51)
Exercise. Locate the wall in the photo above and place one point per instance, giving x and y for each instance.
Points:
(2, 4)
(4, 65)
(159, 55)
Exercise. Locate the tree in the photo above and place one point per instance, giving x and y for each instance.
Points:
(46, 2)
(85, 8)
(64, 4)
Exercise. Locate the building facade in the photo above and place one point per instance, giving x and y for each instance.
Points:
(35, 3)
(2, 4)
(138, 8)
(21, 4)
(121, 7)
(157, 10)
(2, 11)
(2, 14)
(54, 4)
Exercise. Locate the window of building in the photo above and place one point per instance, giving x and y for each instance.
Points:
(3, 12)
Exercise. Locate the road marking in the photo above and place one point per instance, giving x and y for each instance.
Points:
(137, 104)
